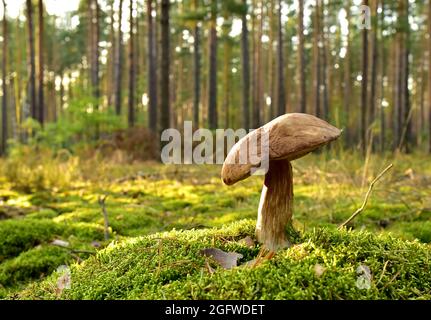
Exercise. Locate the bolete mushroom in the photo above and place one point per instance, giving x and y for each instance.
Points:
(289, 137)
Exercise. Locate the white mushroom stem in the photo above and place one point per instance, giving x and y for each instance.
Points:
(275, 207)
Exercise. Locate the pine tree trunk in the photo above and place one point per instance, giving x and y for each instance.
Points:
(383, 69)
(152, 70)
(111, 62)
(41, 103)
(31, 61)
(118, 62)
(429, 75)
(196, 69)
(374, 65)
(316, 61)
(348, 79)
(165, 67)
(132, 76)
(324, 60)
(4, 86)
(364, 87)
(227, 48)
(212, 73)
(302, 85)
(281, 98)
(245, 72)
(407, 127)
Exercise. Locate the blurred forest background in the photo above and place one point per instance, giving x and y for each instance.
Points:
(133, 68)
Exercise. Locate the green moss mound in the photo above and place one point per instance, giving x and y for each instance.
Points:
(20, 235)
(324, 266)
(32, 264)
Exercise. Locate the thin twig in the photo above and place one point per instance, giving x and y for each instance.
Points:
(366, 197)
(105, 215)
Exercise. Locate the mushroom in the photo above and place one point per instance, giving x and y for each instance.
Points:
(289, 137)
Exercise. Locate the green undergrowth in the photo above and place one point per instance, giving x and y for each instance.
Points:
(323, 266)
(146, 198)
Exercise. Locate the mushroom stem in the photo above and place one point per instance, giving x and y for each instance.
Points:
(275, 207)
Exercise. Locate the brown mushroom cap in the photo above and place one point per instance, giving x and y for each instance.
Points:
(291, 136)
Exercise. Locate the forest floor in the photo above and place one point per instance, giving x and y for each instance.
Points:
(161, 216)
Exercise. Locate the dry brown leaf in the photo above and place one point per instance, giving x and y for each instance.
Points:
(247, 241)
(227, 260)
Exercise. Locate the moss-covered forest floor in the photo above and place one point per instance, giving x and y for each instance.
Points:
(160, 217)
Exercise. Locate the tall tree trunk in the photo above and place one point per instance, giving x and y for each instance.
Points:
(118, 74)
(259, 90)
(152, 70)
(364, 87)
(31, 62)
(226, 69)
(165, 67)
(40, 102)
(407, 127)
(132, 76)
(281, 98)
(348, 77)
(196, 69)
(316, 60)
(111, 62)
(374, 64)
(301, 55)
(17, 80)
(212, 73)
(421, 114)
(383, 69)
(4, 86)
(429, 75)
(271, 76)
(401, 104)
(326, 78)
(95, 58)
(245, 72)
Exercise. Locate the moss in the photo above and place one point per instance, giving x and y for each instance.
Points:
(20, 235)
(420, 230)
(169, 266)
(32, 264)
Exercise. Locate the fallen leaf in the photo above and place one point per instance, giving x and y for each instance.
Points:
(227, 260)
(248, 242)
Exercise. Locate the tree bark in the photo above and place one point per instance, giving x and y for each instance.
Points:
(196, 69)
(348, 79)
(118, 74)
(429, 76)
(316, 60)
(111, 62)
(31, 61)
(281, 97)
(4, 85)
(245, 72)
(383, 69)
(364, 87)
(374, 65)
(40, 103)
(132, 65)
(212, 73)
(165, 67)
(152, 70)
(226, 69)
(301, 55)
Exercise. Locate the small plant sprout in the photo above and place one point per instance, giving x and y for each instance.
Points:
(289, 137)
